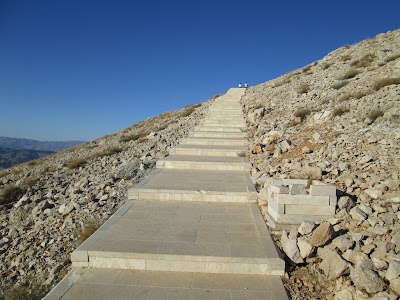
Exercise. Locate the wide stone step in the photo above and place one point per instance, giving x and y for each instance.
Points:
(196, 162)
(195, 185)
(183, 237)
(223, 124)
(205, 150)
(214, 141)
(216, 134)
(218, 129)
(106, 284)
(225, 120)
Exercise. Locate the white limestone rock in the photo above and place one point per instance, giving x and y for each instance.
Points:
(306, 227)
(365, 279)
(289, 246)
(333, 265)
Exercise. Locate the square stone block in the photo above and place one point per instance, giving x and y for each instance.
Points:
(323, 190)
(302, 199)
(293, 209)
(332, 200)
(279, 189)
(297, 189)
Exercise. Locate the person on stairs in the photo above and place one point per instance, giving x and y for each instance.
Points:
(245, 85)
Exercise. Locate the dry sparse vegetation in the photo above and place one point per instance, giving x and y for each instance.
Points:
(326, 66)
(304, 88)
(351, 73)
(133, 137)
(355, 95)
(375, 114)
(76, 163)
(345, 57)
(340, 111)
(392, 57)
(339, 85)
(141, 140)
(49, 169)
(107, 152)
(385, 82)
(282, 82)
(10, 194)
(16, 171)
(302, 113)
(306, 69)
(363, 62)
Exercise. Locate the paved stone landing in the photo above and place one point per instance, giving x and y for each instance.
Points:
(116, 284)
(190, 230)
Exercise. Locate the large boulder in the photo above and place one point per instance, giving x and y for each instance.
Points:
(365, 278)
(333, 265)
(289, 246)
(322, 234)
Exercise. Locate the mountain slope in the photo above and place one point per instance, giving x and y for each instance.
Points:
(338, 120)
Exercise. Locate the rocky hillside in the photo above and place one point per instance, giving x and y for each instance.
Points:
(337, 120)
(49, 206)
(10, 157)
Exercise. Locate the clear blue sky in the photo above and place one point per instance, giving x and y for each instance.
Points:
(78, 70)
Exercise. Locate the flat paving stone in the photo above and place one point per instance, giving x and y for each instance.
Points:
(200, 158)
(194, 180)
(155, 227)
(105, 284)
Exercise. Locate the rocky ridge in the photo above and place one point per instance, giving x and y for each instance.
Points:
(50, 205)
(336, 120)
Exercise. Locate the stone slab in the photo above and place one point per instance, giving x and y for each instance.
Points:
(207, 237)
(105, 284)
(198, 162)
(196, 185)
(215, 141)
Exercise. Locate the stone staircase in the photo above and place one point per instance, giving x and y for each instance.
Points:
(193, 220)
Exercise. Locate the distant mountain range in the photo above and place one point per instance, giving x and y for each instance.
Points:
(15, 151)
(10, 157)
(16, 143)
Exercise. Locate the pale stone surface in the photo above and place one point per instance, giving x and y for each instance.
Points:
(343, 243)
(365, 279)
(289, 246)
(306, 227)
(322, 234)
(333, 265)
(305, 247)
(393, 271)
(357, 214)
(395, 286)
